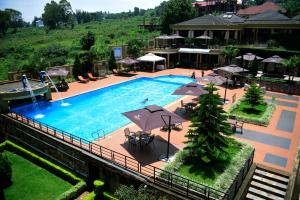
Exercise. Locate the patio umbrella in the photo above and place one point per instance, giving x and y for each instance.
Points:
(152, 117)
(249, 57)
(232, 69)
(274, 59)
(215, 79)
(56, 71)
(205, 37)
(127, 61)
(192, 89)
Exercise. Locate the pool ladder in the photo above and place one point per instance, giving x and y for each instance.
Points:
(99, 134)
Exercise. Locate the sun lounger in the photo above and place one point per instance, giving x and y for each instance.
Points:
(91, 77)
(82, 80)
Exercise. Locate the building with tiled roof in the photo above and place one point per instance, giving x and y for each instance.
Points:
(254, 10)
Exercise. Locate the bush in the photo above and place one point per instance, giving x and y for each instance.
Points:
(77, 67)
(112, 61)
(87, 41)
(128, 192)
(98, 189)
(5, 171)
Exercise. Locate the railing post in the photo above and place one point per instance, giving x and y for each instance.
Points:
(126, 162)
(80, 142)
(100, 151)
(154, 174)
(187, 188)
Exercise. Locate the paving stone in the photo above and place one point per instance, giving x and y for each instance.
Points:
(276, 160)
(286, 121)
(268, 188)
(270, 182)
(282, 96)
(265, 138)
(271, 175)
(283, 103)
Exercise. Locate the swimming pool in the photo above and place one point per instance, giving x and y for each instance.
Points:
(102, 109)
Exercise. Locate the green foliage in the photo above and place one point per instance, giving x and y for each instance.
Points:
(87, 41)
(112, 61)
(229, 52)
(292, 65)
(254, 96)
(19, 50)
(129, 192)
(5, 171)
(72, 193)
(52, 55)
(292, 7)
(52, 15)
(176, 11)
(98, 184)
(240, 111)
(4, 22)
(206, 136)
(134, 47)
(77, 67)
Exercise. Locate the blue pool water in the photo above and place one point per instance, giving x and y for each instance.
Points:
(101, 109)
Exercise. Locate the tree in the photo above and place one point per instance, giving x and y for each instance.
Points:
(67, 12)
(176, 11)
(254, 96)
(87, 41)
(134, 47)
(229, 52)
(136, 11)
(291, 64)
(292, 7)
(4, 22)
(128, 192)
(209, 128)
(52, 15)
(77, 67)
(112, 61)
(15, 18)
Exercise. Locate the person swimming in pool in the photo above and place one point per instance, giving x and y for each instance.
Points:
(145, 100)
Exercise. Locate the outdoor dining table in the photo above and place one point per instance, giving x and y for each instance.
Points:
(140, 136)
(191, 105)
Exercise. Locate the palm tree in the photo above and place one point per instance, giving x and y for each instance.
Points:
(229, 52)
(291, 64)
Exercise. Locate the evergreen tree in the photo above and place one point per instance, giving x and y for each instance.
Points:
(209, 128)
(112, 61)
(77, 67)
(254, 96)
(254, 67)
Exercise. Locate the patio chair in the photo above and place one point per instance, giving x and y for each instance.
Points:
(82, 80)
(149, 140)
(239, 124)
(128, 134)
(91, 77)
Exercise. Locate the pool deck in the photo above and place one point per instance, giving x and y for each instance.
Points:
(275, 145)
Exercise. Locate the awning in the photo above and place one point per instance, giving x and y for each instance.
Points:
(191, 50)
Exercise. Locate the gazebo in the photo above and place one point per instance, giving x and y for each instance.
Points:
(271, 65)
(150, 57)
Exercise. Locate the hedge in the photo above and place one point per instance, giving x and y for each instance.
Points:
(262, 121)
(106, 196)
(79, 184)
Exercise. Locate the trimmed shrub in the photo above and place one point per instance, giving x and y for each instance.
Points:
(5, 171)
(73, 192)
(98, 189)
(108, 196)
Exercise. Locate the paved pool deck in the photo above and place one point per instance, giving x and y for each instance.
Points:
(279, 153)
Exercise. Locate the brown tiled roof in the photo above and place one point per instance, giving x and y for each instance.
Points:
(253, 10)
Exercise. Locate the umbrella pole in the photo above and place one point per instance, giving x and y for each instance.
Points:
(225, 90)
(169, 133)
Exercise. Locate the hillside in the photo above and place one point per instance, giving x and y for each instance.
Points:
(18, 49)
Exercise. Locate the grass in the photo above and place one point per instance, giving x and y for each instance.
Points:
(17, 49)
(32, 182)
(208, 173)
(246, 110)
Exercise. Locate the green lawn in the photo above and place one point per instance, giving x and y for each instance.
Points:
(31, 182)
(208, 173)
(245, 110)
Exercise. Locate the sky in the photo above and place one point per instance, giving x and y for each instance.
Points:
(31, 8)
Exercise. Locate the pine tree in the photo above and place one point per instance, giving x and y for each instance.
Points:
(207, 134)
(112, 61)
(77, 67)
(254, 96)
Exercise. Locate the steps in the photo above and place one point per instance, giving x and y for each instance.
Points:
(267, 185)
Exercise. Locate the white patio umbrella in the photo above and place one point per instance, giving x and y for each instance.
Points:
(150, 57)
